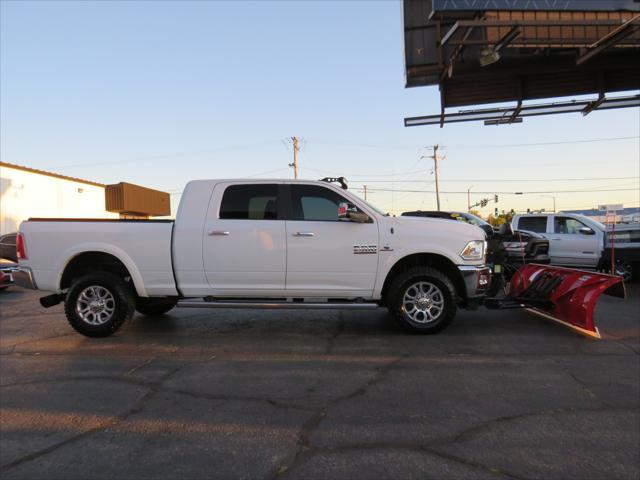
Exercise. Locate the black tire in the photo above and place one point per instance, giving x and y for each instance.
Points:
(155, 306)
(627, 270)
(121, 302)
(441, 304)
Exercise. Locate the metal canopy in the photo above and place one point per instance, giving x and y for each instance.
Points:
(492, 51)
(506, 115)
(440, 6)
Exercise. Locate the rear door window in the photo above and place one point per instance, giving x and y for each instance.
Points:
(533, 224)
(250, 202)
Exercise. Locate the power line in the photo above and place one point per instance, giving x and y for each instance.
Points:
(265, 173)
(171, 156)
(506, 193)
(178, 192)
(355, 175)
(502, 180)
(538, 144)
(507, 145)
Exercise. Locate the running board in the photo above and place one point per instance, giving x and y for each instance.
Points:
(277, 305)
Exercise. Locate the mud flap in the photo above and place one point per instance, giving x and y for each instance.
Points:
(564, 295)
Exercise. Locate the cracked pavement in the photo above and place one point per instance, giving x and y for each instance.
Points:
(291, 395)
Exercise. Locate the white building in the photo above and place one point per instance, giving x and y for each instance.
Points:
(26, 192)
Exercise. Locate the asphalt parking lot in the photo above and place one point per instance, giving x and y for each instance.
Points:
(289, 394)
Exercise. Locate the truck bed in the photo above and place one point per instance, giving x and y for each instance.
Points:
(143, 246)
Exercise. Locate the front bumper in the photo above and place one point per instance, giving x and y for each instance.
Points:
(23, 277)
(477, 279)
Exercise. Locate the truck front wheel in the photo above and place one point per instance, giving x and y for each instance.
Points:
(155, 306)
(97, 304)
(423, 299)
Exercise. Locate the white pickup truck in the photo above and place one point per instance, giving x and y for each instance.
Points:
(578, 241)
(255, 243)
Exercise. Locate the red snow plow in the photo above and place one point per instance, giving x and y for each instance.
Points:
(523, 278)
(564, 295)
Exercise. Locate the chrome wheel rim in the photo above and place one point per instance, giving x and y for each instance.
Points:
(95, 305)
(423, 302)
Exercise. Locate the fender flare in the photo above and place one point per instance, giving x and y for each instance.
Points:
(386, 268)
(109, 249)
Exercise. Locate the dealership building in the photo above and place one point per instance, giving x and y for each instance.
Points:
(28, 192)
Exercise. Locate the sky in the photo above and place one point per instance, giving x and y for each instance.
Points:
(160, 93)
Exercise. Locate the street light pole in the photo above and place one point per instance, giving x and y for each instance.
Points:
(554, 201)
(552, 196)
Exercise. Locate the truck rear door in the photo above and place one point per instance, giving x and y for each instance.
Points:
(244, 245)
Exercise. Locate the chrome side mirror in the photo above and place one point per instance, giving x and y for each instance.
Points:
(350, 213)
(343, 211)
(586, 231)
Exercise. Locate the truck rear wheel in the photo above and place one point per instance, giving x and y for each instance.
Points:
(155, 306)
(97, 304)
(423, 299)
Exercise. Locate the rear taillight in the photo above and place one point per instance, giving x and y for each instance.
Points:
(21, 249)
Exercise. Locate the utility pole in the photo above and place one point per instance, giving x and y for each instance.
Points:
(435, 170)
(435, 162)
(296, 148)
(365, 192)
(469, 198)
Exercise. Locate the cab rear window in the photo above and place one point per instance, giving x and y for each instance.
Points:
(533, 224)
(250, 202)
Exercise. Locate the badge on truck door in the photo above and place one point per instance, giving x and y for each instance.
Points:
(363, 249)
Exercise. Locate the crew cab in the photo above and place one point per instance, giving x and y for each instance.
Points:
(256, 243)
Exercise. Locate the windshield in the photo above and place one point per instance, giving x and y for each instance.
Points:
(368, 204)
(470, 218)
(597, 223)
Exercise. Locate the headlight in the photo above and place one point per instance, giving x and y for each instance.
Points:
(474, 250)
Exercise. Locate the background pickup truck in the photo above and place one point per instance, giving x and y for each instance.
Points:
(580, 242)
(238, 243)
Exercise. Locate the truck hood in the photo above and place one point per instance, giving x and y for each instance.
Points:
(412, 235)
(465, 231)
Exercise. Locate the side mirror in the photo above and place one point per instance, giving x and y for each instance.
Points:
(348, 212)
(586, 231)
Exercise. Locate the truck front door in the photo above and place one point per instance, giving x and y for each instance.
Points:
(244, 247)
(327, 256)
(571, 243)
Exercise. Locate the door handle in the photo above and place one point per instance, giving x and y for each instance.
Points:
(223, 233)
(304, 234)
(556, 239)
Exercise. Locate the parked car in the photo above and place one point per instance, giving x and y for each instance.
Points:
(7, 270)
(256, 243)
(517, 247)
(8, 246)
(581, 242)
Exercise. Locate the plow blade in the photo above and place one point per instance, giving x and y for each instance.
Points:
(564, 295)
